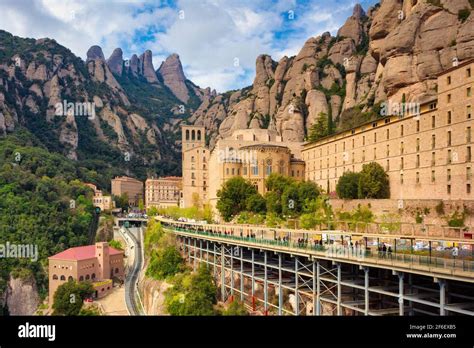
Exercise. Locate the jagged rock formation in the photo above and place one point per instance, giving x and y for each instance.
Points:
(397, 48)
(22, 296)
(392, 50)
(173, 76)
(45, 75)
(147, 67)
(115, 61)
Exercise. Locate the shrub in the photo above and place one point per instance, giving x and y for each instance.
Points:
(348, 185)
(464, 14)
(235, 308)
(373, 182)
(233, 197)
(165, 263)
(256, 203)
(69, 297)
(456, 219)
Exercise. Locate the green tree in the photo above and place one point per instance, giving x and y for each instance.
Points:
(69, 297)
(273, 200)
(235, 308)
(165, 263)
(308, 221)
(116, 244)
(192, 294)
(348, 185)
(154, 232)
(277, 183)
(256, 203)
(307, 191)
(121, 201)
(233, 197)
(373, 182)
(152, 211)
(290, 203)
(320, 128)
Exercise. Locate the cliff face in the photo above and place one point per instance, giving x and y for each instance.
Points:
(22, 296)
(397, 48)
(115, 105)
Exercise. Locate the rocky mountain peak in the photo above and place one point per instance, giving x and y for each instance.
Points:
(353, 27)
(134, 65)
(115, 61)
(95, 52)
(173, 76)
(358, 11)
(147, 69)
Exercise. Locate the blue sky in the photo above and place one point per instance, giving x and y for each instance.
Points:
(217, 40)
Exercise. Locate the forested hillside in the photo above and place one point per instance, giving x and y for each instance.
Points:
(42, 202)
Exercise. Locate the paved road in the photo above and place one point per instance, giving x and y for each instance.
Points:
(132, 276)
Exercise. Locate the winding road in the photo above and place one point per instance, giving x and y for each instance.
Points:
(131, 279)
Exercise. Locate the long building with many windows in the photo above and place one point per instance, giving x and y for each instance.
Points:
(163, 192)
(427, 154)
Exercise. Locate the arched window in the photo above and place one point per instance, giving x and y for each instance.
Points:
(281, 166)
(269, 166)
(93, 276)
(187, 134)
(192, 158)
(116, 270)
(193, 135)
(81, 278)
(70, 279)
(199, 135)
(63, 278)
(55, 277)
(204, 167)
(87, 277)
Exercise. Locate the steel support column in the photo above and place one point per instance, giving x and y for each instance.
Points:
(366, 290)
(280, 290)
(242, 275)
(314, 287)
(400, 294)
(318, 289)
(442, 296)
(253, 272)
(232, 250)
(189, 250)
(297, 302)
(194, 256)
(339, 294)
(222, 272)
(200, 250)
(215, 261)
(410, 284)
(265, 282)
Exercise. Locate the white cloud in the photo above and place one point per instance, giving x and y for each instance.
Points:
(212, 35)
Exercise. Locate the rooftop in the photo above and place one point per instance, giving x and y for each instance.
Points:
(264, 145)
(81, 253)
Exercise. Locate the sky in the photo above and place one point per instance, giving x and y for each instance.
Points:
(218, 41)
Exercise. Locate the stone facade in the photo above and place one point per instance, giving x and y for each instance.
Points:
(132, 187)
(250, 153)
(427, 155)
(104, 202)
(97, 263)
(163, 192)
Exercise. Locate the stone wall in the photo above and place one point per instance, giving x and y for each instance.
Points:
(410, 207)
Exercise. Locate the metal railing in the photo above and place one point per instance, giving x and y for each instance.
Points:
(346, 252)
